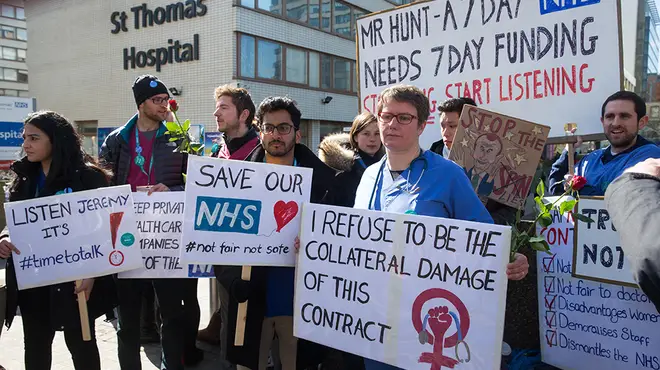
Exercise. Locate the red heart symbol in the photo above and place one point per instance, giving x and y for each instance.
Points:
(284, 213)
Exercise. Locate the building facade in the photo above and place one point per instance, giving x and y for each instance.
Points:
(13, 49)
(647, 48)
(86, 54)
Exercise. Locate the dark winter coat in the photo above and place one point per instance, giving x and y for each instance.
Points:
(335, 151)
(168, 166)
(58, 300)
(309, 354)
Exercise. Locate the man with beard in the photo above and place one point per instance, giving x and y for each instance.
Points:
(623, 114)
(140, 154)
(270, 290)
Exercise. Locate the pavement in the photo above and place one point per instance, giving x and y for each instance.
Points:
(11, 342)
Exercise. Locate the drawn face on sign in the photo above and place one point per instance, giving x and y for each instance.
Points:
(621, 124)
(36, 144)
(487, 148)
(398, 136)
(448, 124)
(278, 135)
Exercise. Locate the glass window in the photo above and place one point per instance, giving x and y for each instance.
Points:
(10, 74)
(342, 23)
(314, 65)
(355, 80)
(356, 14)
(20, 13)
(297, 10)
(10, 92)
(273, 6)
(247, 3)
(24, 94)
(342, 74)
(22, 76)
(269, 55)
(21, 34)
(326, 72)
(247, 56)
(8, 32)
(8, 11)
(8, 53)
(21, 55)
(326, 13)
(296, 65)
(314, 13)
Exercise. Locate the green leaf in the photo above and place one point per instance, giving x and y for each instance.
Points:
(174, 138)
(540, 247)
(566, 206)
(196, 147)
(540, 189)
(518, 215)
(545, 219)
(542, 207)
(184, 177)
(186, 125)
(537, 239)
(173, 127)
(583, 218)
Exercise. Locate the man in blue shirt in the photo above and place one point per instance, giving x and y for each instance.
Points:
(623, 114)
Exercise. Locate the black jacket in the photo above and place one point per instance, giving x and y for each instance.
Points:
(335, 151)
(438, 147)
(58, 300)
(168, 166)
(309, 354)
(633, 201)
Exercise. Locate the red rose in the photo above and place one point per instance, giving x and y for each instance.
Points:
(578, 182)
(173, 105)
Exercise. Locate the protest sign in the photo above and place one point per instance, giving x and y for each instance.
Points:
(586, 324)
(160, 221)
(74, 236)
(598, 254)
(242, 213)
(546, 61)
(406, 290)
(212, 141)
(499, 153)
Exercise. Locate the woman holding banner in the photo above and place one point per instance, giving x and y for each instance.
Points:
(54, 163)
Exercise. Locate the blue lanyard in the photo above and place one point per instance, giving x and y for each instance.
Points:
(378, 186)
(139, 159)
(361, 162)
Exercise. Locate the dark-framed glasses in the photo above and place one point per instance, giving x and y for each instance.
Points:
(159, 101)
(282, 129)
(402, 118)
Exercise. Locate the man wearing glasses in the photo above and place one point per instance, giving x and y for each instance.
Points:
(270, 290)
(141, 155)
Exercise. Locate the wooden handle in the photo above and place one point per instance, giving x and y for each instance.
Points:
(84, 316)
(241, 318)
(571, 158)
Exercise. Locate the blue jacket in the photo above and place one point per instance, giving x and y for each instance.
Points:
(443, 190)
(600, 167)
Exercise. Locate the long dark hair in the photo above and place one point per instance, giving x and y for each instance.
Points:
(67, 155)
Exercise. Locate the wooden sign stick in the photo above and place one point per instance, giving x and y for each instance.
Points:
(241, 317)
(84, 316)
(571, 159)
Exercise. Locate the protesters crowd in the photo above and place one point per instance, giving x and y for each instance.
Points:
(379, 165)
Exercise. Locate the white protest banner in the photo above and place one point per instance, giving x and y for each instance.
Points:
(402, 289)
(590, 325)
(598, 254)
(242, 213)
(160, 222)
(74, 236)
(548, 61)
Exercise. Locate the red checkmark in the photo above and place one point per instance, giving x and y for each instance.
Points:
(551, 319)
(548, 263)
(549, 284)
(549, 304)
(551, 337)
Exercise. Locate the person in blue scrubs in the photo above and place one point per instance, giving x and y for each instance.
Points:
(409, 179)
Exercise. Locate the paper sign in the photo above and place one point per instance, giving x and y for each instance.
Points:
(74, 236)
(598, 254)
(590, 325)
(533, 59)
(410, 291)
(242, 213)
(160, 223)
(498, 153)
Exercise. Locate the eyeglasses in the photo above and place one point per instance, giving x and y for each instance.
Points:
(282, 129)
(159, 101)
(402, 118)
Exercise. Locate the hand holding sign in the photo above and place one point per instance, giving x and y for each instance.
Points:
(6, 247)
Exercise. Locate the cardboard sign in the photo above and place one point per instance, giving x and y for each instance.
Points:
(74, 236)
(242, 213)
(598, 254)
(160, 223)
(590, 325)
(499, 154)
(410, 291)
(534, 59)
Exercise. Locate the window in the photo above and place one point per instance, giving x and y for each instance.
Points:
(21, 34)
(20, 13)
(273, 6)
(342, 23)
(8, 53)
(88, 130)
(22, 75)
(8, 32)
(10, 74)
(247, 3)
(23, 94)
(8, 11)
(326, 13)
(326, 72)
(269, 56)
(21, 55)
(356, 14)
(10, 92)
(247, 56)
(342, 74)
(297, 10)
(296, 66)
(314, 13)
(314, 65)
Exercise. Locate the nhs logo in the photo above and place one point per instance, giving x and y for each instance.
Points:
(551, 6)
(20, 104)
